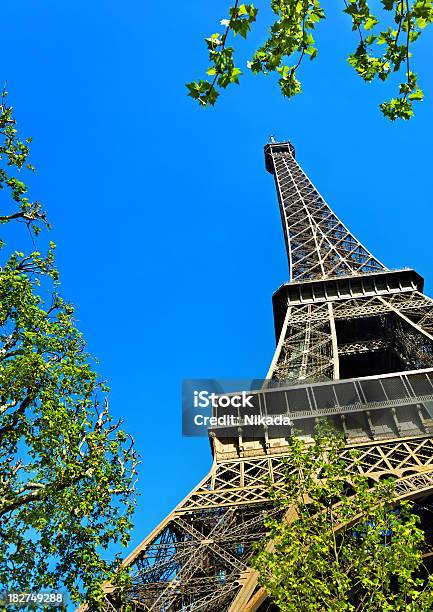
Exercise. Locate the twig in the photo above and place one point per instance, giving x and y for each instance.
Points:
(223, 43)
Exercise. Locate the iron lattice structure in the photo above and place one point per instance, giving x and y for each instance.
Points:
(354, 344)
(318, 244)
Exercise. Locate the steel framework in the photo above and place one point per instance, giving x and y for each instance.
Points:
(354, 344)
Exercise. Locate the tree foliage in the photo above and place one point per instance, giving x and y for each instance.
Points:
(67, 470)
(344, 544)
(384, 46)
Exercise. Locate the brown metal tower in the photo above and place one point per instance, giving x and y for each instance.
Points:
(355, 345)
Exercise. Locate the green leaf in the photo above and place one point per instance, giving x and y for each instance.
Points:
(416, 95)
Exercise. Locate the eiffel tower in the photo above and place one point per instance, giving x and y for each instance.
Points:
(354, 345)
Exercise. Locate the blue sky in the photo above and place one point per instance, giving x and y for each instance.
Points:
(167, 224)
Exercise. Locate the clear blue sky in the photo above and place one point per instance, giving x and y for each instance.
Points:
(167, 224)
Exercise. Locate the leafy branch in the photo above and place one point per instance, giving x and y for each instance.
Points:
(336, 541)
(396, 53)
(13, 154)
(291, 36)
(67, 469)
(222, 66)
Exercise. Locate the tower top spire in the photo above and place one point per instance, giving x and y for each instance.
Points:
(318, 244)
